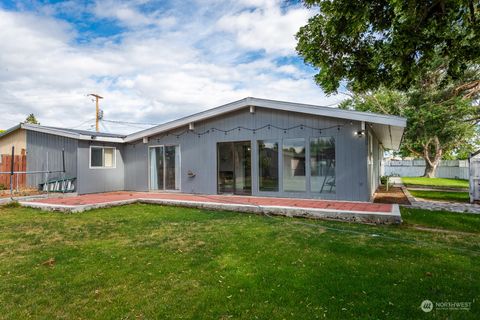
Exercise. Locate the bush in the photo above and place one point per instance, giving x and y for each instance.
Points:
(2, 187)
(383, 180)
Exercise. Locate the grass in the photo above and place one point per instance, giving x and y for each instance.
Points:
(435, 182)
(441, 195)
(146, 261)
(463, 222)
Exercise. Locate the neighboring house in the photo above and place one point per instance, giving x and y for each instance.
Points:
(13, 137)
(249, 147)
(44, 147)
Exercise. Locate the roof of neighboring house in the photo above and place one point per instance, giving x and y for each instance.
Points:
(388, 129)
(9, 130)
(68, 133)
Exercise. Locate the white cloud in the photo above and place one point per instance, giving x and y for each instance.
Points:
(127, 14)
(149, 74)
(266, 27)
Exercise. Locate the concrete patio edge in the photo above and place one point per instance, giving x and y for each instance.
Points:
(392, 217)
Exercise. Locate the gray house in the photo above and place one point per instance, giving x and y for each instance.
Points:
(249, 147)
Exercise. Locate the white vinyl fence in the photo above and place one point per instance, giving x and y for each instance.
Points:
(475, 178)
(456, 169)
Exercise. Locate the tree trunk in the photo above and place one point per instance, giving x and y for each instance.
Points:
(432, 164)
(430, 170)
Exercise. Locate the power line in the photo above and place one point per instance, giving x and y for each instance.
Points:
(129, 122)
(81, 124)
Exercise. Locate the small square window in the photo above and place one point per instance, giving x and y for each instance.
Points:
(102, 157)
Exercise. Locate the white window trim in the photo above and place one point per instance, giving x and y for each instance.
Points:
(103, 157)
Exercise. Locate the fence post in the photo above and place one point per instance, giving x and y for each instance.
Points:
(11, 171)
(47, 177)
(63, 185)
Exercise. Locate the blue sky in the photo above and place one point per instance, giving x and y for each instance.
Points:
(153, 61)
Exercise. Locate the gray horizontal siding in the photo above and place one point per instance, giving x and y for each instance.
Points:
(43, 145)
(198, 154)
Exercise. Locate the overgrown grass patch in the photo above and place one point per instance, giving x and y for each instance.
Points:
(435, 182)
(147, 261)
(464, 222)
(441, 195)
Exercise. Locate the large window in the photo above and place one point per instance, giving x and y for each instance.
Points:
(102, 157)
(322, 165)
(268, 165)
(294, 165)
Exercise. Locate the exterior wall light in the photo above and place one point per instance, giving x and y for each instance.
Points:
(360, 133)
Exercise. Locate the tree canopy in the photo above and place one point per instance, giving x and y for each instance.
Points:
(31, 119)
(389, 43)
(437, 127)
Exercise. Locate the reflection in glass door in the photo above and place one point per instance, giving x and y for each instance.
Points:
(234, 167)
(156, 168)
(164, 168)
(172, 168)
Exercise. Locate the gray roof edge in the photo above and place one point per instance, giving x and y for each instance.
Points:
(272, 104)
(10, 130)
(61, 132)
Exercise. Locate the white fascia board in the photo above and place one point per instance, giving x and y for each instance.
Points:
(276, 105)
(331, 112)
(100, 139)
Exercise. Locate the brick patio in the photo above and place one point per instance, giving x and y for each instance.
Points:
(344, 210)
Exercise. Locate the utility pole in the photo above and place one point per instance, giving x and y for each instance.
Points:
(97, 113)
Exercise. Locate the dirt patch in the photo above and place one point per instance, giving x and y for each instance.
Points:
(20, 193)
(394, 195)
(422, 228)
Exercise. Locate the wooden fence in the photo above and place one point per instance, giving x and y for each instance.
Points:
(20, 164)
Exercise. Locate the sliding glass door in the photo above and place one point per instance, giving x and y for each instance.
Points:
(234, 167)
(164, 167)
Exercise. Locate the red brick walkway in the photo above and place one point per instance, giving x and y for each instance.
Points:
(91, 199)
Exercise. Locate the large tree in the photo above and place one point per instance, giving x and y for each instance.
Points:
(436, 126)
(418, 59)
(366, 44)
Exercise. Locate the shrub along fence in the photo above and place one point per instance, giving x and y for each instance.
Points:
(455, 169)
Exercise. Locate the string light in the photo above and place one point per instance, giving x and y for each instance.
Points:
(253, 130)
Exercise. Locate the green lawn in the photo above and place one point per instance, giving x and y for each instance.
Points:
(441, 195)
(435, 182)
(462, 222)
(153, 262)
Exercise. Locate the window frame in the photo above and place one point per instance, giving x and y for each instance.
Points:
(279, 154)
(179, 189)
(103, 157)
(310, 140)
(306, 158)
